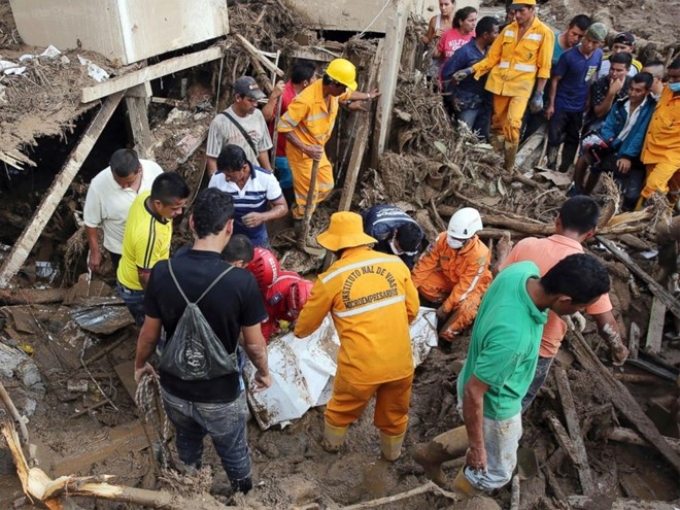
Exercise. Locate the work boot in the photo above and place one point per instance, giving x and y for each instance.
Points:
(553, 152)
(462, 486)
(497, 142)
(333, 437)
(390, 446)
(244, 485)
(568, 154)
(447, 446)
(510, 153)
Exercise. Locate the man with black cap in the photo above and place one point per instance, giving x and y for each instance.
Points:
(519, 58)
(571, 79)
(624, 42)
(372, 301)
(241, 124)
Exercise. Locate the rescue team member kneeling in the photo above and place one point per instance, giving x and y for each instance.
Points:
(230, 302)
(372, 301)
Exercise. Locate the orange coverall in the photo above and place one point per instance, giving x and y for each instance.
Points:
(661, 151)
(312, 120)
(513, 65)
(372, 301)
(456, 278)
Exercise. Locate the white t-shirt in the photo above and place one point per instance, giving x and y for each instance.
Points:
(223, 132)
(107, 204)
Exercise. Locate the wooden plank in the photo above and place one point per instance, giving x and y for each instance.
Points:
(394, 43)
(634, 340)
(126, 374)
(23, 246)
(562, 436)
(584, 473)
(255, 53)
(657, 318)
(129, 80)
(312, 53)
(614, 391)
(655, 287)
(136, 103)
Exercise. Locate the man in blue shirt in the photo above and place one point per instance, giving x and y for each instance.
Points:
(253, 189)
(397, 233)
(469, 101)
(572, 75)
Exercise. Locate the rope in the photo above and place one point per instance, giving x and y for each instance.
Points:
(148, 400)
(374, 19)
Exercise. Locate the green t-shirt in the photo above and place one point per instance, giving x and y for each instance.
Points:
(505, 340)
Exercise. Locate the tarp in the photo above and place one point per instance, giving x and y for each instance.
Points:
(303, 369)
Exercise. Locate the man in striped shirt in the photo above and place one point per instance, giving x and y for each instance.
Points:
(257, 194)
(148, 232)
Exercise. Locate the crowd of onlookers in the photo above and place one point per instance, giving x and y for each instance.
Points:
(602, 111)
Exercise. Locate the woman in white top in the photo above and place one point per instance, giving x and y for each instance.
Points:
(438, 25)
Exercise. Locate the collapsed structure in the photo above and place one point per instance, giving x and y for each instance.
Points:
(66, 352)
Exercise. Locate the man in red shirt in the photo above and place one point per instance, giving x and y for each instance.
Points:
(302, 75)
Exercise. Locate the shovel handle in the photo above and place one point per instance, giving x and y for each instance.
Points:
(310, 197)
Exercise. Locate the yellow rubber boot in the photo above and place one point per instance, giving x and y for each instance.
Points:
(390, 446)
(497, 142)
(462, 486)
(333, 437)
(447, 446)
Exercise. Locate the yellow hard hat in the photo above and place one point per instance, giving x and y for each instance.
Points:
(343, 71)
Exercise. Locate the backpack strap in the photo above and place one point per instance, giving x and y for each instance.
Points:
(174, 279)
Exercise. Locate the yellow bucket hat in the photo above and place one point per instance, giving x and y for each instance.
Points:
(345, 231)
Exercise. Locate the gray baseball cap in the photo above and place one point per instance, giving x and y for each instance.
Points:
(247, 86)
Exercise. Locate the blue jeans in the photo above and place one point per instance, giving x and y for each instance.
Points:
(477, 119)
(134, 300)
(226, 425)
(284, 174)
(542, 369)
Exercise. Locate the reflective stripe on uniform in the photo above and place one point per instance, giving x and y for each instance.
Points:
(535, 37)
(319, 115)
(368, 308)
(503, 65)
(473, 284)
(525, 67)
(509, 33)
(332, 275)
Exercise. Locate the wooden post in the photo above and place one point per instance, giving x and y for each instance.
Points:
(657, 317)
(394, 43)
(634, 340)
(136, 101)
(22, 248)
(584, 473)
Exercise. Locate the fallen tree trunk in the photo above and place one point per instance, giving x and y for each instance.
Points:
(619, 395)
(628, 436)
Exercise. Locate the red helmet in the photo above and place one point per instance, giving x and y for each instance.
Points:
(264, 266)
(298, 296)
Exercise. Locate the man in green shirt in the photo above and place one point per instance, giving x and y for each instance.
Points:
(500, 366)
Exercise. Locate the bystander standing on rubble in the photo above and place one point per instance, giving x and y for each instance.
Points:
(109, 198)
(435, 29)
(148, 233)
(241, 124)
(229, 301)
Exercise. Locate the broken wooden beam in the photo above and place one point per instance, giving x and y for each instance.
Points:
(136, 103)
(634, 340)
(14, 413)
(573, 424)
(614, 391)
(628, 436)
(134, 78)
(638, 378)
(657, 318)
(655, 287)
(562, 436)
(255, 53)
(52, 198)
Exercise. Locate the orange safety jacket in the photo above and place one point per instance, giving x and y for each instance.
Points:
(515, 63)
(372, 301)
(457, 274)
(662, 143)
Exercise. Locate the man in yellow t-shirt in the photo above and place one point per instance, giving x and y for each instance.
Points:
(148, 232)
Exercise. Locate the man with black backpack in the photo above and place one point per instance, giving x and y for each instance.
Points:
(204, 303)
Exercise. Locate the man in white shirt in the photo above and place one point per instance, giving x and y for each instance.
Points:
(108, 202)
(241, 124)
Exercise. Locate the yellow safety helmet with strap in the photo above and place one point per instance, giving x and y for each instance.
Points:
(343, 71)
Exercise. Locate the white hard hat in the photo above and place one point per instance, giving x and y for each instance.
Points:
(465, 223)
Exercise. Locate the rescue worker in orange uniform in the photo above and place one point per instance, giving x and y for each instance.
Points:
(454, 274)
(521, 53)
(661, 151)
(372, 301)
(307, 126)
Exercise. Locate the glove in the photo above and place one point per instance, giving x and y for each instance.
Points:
(462, 74)
(576, 322)
(536, 104)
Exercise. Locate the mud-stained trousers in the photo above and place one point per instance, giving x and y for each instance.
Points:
(659, 176)
(391, 403)
(226, 425)
(301, 167)
(508, 112)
